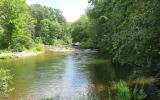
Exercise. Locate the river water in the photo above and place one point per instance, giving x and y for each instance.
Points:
(64, 76)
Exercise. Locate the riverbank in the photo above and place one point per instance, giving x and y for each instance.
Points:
(19, 54)
(68, 49)
(35, 51)
(38, 50)
(59, 48)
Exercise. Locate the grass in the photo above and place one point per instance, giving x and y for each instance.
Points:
(5, 51)
(127, 91)
(38, 47)
(7, 57)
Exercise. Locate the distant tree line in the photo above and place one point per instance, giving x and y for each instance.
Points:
(22, 26)
(128, 30)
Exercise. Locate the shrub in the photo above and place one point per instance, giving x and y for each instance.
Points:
(87, 44)
(123, 92)
(38, 40)
(38, 47)
(21, 43)
(57, 42)
(138, 94)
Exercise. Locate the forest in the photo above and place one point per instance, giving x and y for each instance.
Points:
(125, 31)
(23, 26)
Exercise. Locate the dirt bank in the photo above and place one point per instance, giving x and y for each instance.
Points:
(19, 54)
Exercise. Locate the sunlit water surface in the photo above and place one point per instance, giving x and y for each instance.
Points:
(60, 75)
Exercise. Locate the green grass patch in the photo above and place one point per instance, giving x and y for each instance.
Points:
(38, 47)
(5, 51)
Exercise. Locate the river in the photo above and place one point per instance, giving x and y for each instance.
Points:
(61, 75)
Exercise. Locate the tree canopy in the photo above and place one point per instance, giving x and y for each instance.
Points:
(22, 26)
(128, 30)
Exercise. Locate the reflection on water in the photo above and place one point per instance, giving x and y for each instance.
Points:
(60, 75)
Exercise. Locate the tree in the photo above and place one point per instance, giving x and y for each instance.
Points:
(79, 29)
(59, 17)
(127, 30)
(50, 25)
(14, 18)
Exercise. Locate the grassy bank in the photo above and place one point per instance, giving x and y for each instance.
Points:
(38, 49)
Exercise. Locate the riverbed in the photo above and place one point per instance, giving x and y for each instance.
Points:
(64, 76)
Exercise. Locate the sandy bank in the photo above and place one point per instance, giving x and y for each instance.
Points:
(68, 49)
(59, 49)
(20, 54)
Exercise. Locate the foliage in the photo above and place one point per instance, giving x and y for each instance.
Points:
(1, 36)
(50, 25)
(123, 92)
(128, 30)
(21, 25)
(38, 47)
(21, 43)
(5, 51)
(5, 80)
(58, 42)
(13, 19)
(45, 98)
(138, 94)
(87, 44)
(38, 40)
(79, 29)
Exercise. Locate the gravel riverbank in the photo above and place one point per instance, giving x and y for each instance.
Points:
(20, 54)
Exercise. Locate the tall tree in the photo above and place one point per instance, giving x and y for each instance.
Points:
(128, 30)
(13, 15)
(50, 24)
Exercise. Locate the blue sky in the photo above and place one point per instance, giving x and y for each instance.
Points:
(72, 9)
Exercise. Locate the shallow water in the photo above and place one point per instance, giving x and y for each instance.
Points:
(62, 76)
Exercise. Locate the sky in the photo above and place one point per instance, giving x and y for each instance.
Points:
(72, 9)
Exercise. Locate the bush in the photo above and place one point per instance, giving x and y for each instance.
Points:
(21, 43)
(5, 51)
(58, 42)
(38, 47)
(68, 40)
(123, 92)
(38, 40)
(138, 94)
(87, 44)
(5, 80)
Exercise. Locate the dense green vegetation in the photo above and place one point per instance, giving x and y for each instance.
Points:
(128, 30)
(23, 26)
(50, 26)
(80, 32)
(124, 92)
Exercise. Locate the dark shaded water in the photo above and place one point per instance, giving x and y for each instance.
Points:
(63, 76)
